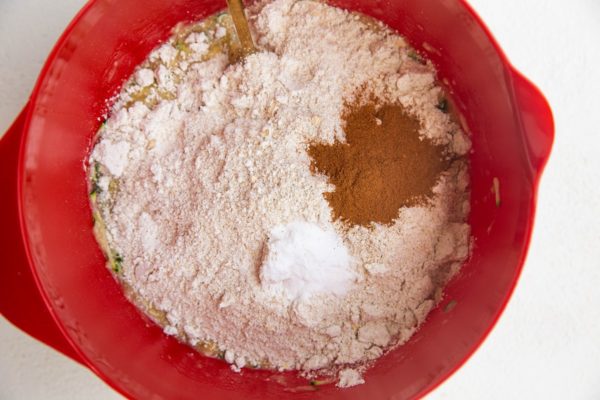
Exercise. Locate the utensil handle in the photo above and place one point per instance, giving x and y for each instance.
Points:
(537, 121)
(236, 10)
(20, 299)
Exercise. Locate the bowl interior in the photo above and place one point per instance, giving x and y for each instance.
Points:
(88, 66)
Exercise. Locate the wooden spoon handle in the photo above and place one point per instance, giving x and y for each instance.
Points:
(236, 10)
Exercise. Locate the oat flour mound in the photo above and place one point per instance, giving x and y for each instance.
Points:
(219, 229)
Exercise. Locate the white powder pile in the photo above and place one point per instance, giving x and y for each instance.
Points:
(222, 226)
(304, 260)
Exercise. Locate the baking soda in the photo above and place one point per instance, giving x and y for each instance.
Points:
(303, 260)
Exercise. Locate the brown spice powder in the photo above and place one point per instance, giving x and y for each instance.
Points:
(383, 165)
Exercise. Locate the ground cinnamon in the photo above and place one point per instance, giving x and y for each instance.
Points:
(383, 165)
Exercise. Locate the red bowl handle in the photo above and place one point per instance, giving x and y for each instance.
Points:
(20, 300)
(536, 120)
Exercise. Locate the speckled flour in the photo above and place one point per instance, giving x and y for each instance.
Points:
(194, 183)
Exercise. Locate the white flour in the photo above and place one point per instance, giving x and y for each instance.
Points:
(205, 179)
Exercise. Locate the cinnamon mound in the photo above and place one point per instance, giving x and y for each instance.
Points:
(383, 166)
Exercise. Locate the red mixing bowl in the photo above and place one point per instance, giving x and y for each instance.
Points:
(53, 281)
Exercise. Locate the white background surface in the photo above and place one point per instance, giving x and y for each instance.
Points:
(547, 344)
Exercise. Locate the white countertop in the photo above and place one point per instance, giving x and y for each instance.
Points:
(547, 343)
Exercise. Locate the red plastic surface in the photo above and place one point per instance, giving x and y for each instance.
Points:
(512, 130)
(20, 300)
